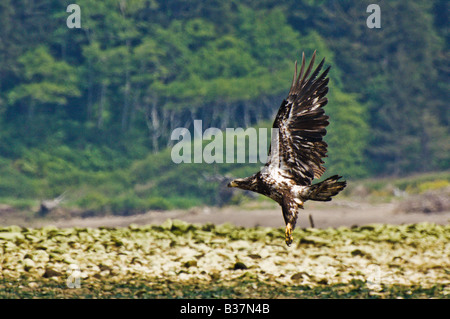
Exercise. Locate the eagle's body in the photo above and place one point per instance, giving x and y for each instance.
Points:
(297, 149)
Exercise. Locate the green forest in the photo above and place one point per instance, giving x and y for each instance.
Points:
(88, 112)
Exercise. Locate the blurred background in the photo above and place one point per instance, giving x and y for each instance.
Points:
(86, 113)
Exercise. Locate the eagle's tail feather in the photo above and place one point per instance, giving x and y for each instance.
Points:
(323, 191)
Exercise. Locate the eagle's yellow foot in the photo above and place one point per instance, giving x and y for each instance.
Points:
(288, 234)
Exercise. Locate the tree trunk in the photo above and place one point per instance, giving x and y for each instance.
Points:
(89, 95)
(101, 106)
(156, 132)
(134, 107)
(126, 91)
(246, 115)
(90, 82)
(226, 116)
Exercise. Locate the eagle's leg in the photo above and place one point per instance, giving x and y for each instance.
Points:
(288, 234)
(290, 210)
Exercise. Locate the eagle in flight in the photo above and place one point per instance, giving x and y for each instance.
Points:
(297, 149)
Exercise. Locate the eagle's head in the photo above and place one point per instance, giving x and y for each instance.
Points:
(248, 183)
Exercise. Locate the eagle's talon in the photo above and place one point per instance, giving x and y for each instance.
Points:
(288, 235)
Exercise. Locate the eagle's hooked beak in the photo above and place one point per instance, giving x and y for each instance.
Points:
(232, 184)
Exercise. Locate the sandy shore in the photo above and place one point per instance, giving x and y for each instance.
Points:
(323, 215)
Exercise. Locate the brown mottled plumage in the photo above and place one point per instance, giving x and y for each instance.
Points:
(297, 148)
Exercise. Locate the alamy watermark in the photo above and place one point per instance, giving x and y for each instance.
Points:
(74, 278)
(374, 19)
(74, 19)
(373, 276)
(234, 145)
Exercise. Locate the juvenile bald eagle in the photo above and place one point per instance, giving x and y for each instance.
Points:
(296, 151)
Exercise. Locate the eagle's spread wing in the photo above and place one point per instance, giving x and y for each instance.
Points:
(298, 149)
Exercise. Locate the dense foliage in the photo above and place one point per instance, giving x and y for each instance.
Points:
(82, 109)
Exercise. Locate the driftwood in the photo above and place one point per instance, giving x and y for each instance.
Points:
(311, 221)
(433, 201)
(48, 205)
